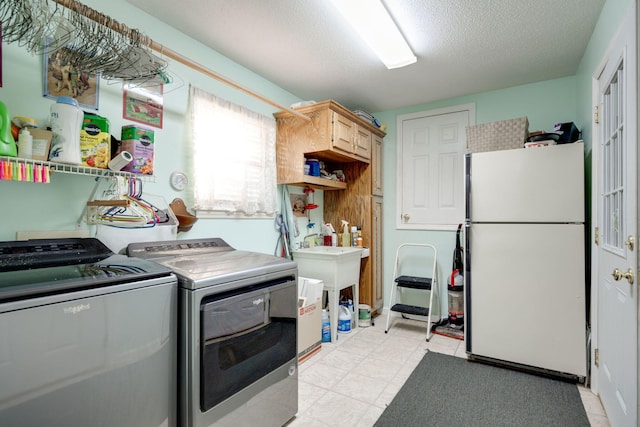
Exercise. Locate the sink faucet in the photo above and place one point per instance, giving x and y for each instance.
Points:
(310, 240)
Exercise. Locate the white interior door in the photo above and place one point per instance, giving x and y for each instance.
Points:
(616, 290)
(431, 167)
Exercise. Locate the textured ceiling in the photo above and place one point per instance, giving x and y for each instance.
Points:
(463, 46)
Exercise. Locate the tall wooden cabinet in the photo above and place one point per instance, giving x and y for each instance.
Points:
(344, 142)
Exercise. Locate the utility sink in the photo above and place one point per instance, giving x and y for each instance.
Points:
(337, 267)
(332, 251)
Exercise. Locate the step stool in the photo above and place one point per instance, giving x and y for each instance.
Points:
(427, 282)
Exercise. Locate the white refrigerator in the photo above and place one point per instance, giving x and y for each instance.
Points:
(525, 259)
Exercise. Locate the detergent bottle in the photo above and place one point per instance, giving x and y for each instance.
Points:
(344, 320)
(7, 143)
(25, 144)
(346, 237)
(66, 123)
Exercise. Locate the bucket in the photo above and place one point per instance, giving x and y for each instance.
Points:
(364, 315)
(314, 167)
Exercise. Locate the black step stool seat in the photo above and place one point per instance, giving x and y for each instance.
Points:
(410, 309)
(414, 282)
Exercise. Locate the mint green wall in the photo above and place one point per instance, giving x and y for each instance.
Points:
(545, 103)
(57, 206)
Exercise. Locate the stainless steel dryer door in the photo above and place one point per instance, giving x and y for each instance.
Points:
(245, 337)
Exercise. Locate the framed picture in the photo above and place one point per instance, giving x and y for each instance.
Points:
(61, 78)
(298, 204)
(143, 103)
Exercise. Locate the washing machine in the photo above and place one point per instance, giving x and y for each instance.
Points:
(87, 337)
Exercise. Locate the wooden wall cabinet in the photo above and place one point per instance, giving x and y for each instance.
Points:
(348, 142)
(359, 206)
(350, 137)
(376, 160)
(334, 134)
(377, 284)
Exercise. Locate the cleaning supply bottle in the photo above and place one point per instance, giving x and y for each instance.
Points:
(346, 237)
(66, 123)
(25, 144)
(7, 143)
(344, 319)
(331, 237)
(354, 235)
(326, 326)
(352, 312)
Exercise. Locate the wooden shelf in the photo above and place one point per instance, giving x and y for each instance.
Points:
(318, 183)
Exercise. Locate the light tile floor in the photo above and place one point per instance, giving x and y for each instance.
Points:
(350, 382)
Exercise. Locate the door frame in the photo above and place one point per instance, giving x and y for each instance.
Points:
(595, 219)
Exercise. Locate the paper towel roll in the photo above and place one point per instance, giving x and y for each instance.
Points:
(120, 161)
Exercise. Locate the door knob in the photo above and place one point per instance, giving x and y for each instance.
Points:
(619, 275)
(629, 243)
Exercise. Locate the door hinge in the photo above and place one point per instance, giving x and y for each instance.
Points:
(596, 357)
(596, 235)
(596, 114)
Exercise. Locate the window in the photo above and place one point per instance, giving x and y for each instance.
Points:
(234, 158)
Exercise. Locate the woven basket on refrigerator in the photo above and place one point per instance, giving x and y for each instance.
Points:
(502, 135)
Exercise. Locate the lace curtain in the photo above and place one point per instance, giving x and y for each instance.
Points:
(234, 157)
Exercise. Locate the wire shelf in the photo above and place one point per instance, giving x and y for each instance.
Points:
(73, 169)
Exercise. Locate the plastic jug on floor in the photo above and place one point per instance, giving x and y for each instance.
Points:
(344, 320)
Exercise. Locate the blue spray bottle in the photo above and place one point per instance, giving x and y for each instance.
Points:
(326, 327)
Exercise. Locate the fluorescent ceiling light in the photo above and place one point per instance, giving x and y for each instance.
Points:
(372, 21)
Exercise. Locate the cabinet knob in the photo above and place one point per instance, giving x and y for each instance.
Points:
(406, 217)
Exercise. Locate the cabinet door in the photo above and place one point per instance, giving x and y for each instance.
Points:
(343, 133)
(376, 256)
(376, 163)
(363, 142)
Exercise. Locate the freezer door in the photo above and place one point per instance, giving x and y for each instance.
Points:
(544, 184)
(527, 295)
